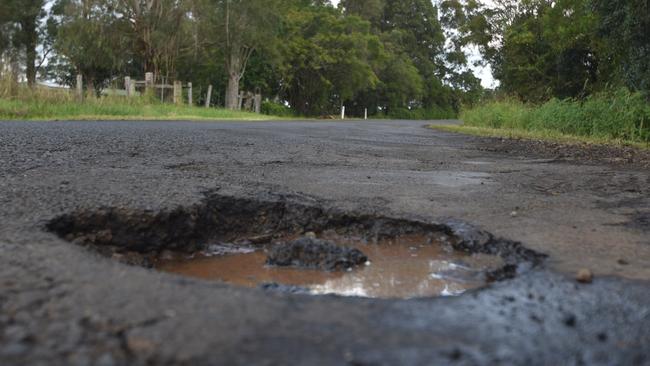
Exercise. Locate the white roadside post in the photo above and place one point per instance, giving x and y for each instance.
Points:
(207, 100)
(80, 88)
(342, 112)
(127, 85)
(365, 113)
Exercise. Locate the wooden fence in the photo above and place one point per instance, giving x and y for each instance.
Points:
(173, 91)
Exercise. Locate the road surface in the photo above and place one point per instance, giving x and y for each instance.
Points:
(62, 304)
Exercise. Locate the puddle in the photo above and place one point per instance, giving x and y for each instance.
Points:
(408, 267)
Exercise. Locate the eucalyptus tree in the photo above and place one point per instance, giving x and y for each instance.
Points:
(88, 41)
(327, 59)
(238, 29)
(155, 31)
(21, 23)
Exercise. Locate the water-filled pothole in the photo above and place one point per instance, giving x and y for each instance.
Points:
(283, 243)
(402, 267)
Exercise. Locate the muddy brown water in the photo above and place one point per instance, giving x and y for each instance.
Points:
(408, 267)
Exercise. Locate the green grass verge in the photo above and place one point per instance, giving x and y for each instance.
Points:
(114, 108)
(615, 117)
(551, 136)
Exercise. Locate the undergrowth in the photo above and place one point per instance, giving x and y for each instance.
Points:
(617, 116)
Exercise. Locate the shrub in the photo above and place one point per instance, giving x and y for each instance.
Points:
(617, 115)
(276, 109)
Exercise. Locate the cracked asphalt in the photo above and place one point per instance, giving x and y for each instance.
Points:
(61, 304)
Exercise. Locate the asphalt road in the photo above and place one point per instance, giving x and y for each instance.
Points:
(62, 304)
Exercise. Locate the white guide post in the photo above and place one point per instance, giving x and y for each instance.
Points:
(207, 100)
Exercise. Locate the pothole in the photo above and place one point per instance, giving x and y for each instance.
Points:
(282, 243)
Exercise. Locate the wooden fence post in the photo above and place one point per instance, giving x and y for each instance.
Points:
(258, 103)
(80, 88)
(127, 86)
(178, 92)
(148, 82)
(207, 101)
(189, 94)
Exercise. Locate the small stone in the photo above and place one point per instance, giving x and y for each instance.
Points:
(139, 345)
(310, 234)
(584, 276)
(513, 214)
(623, 262)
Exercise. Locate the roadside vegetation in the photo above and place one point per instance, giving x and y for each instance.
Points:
(115, 108)
(567, 70)
(42, 103)
(613, 117)
(305, 58)
(574, 67)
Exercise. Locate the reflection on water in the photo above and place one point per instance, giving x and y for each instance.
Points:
(403, 268)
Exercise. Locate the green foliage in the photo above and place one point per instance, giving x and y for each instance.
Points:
(413, 67)
(543, 49)
(276, 109)
(326, 59)
(624, 27)
(86, 43)
(21, 28)
(615, 115)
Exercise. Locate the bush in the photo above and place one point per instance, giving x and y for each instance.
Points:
(276, 109)
(616, 115)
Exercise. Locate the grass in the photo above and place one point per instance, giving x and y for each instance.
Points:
(618, 118)
(536, 135)
(17, 102)
(114, 108)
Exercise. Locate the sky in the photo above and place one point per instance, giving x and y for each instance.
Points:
(483, 73)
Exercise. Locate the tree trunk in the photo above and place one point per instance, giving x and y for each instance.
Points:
(90, 85)
(232, 91)
(31, 40)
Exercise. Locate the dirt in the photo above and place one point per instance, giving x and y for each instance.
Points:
(160, 187)
(574, 152)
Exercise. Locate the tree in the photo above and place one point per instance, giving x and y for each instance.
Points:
(326, 59)
(538, 49)
(154, 31)
(371, 10)
(240, 28)
(23, 21)
(87, 42)
(624, 27)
